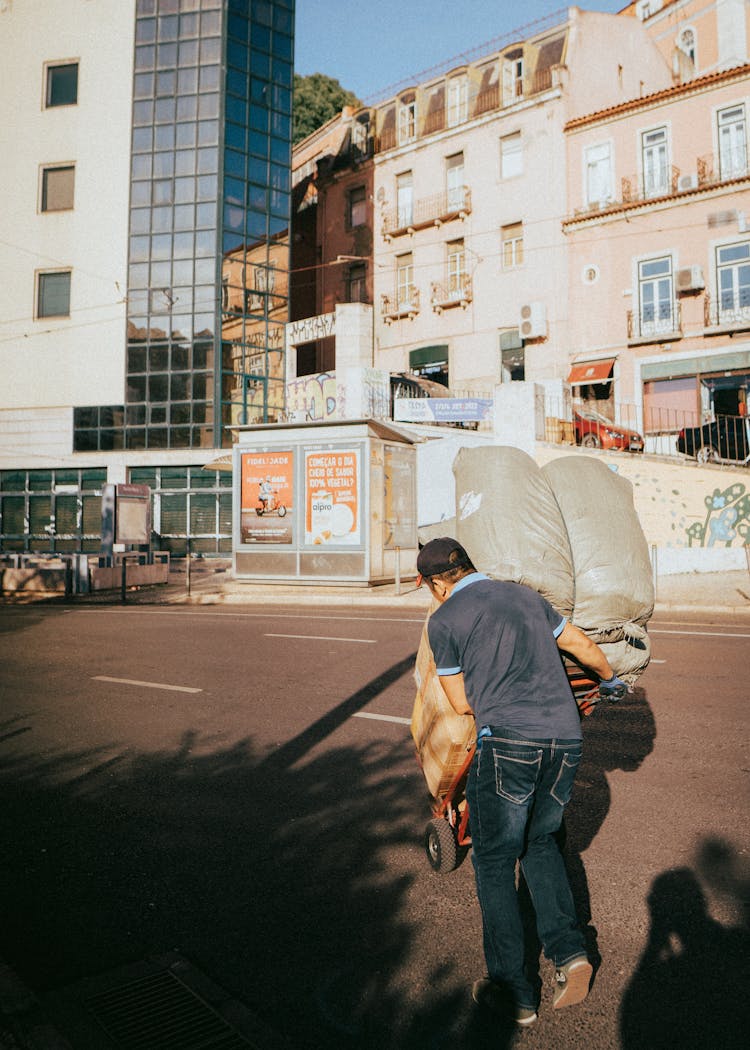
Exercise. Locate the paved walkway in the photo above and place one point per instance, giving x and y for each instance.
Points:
(212, 582)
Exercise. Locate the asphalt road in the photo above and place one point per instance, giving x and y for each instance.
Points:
(239, 784)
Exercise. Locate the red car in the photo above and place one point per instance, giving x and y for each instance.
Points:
(596, 431)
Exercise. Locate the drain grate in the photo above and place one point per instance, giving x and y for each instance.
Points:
(159, 1012)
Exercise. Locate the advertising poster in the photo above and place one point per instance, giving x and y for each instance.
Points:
(266, 496)
(332, 497)
(400, 498)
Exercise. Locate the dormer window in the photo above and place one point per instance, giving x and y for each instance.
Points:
(458, 101)
(513, 77)
(407, 119)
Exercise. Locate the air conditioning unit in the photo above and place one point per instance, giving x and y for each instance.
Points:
(687, 182)
(690, 279)
(532, 323)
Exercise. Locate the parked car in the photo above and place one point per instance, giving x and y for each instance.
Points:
(728, 437)
(596, 431)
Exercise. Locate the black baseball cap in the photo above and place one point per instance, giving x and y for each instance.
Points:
(441, 555)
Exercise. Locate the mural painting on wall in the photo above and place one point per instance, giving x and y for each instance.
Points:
(313, 397)
(727, 519)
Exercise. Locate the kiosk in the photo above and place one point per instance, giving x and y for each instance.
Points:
(327, 502)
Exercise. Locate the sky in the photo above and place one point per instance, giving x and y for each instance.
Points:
(371, 47)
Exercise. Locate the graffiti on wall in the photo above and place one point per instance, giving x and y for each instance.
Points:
(312, 398)
(727, 519)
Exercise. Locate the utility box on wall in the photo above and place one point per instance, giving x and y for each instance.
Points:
(332, 502)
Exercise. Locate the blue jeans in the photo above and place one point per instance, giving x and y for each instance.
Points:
(517, 791)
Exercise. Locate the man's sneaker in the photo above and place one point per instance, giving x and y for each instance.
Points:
(572, 980)
(494, 997)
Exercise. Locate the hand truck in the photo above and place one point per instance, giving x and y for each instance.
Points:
(447, 838)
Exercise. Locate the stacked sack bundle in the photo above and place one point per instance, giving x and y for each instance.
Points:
(613, 582)
(568, 530)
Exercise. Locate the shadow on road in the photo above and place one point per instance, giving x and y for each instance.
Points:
(617, 736)
(272, 871)
(690, 987)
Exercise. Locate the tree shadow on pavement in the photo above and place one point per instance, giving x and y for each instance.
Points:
(690, 987)
(282, 874)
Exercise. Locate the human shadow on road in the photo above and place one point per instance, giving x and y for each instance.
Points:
(615, 737)
(285, 874)
(690, 987)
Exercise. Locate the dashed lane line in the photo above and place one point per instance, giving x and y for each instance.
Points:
(321, 638)
(383, 718)
(146, 685)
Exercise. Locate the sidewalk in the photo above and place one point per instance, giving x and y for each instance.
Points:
(212, 583)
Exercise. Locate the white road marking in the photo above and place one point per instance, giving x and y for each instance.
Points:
(321, 638)
(383, 718)
(146, 685)
(657, 661)
(143, 611)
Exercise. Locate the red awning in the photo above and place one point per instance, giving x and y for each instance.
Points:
(593, 372)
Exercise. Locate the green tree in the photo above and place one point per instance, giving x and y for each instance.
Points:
(317, 98)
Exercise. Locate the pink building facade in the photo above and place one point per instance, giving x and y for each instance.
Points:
(658, 232)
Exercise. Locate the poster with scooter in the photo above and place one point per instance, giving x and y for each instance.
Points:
(332, 498)
(266, 495)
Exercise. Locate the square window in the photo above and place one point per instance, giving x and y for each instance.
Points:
(62, 85)
(57, 188)
(53, 294)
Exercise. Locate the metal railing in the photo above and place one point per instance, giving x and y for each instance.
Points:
(403, 303)
(726, 312)
(455, 291)
(661, 183)
(713, 168)
(656, 324)
(427, 211)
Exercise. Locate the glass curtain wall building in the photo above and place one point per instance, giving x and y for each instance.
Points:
(209, 225)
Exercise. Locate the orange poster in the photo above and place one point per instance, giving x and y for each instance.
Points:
(332, 497)
(266, 496)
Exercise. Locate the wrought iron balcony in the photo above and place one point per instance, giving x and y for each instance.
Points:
(404, 303)
(714, 168)
(730, 312)
(456, 291)
(654, 325)
(429, 211)
(660, 183)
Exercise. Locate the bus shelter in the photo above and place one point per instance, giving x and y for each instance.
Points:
(326, 502)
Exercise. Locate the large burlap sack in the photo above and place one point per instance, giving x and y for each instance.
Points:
(508, 520)
(442, 738)
(613, 583)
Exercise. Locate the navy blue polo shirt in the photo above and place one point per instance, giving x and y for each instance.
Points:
(502, 636)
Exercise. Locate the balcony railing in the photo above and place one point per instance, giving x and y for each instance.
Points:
(404, 303)
(661, 183)
(429, 211)
(730, 311)
(456, 291)
(714, 168)
(654, 325)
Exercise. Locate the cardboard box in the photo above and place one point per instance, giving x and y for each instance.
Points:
(442, 737)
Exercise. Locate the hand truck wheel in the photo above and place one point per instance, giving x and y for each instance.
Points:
(440, 845)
